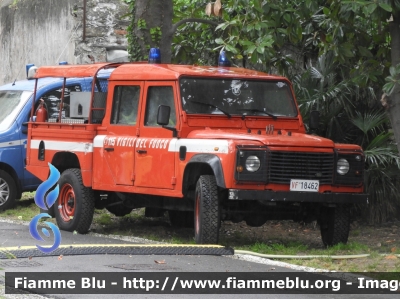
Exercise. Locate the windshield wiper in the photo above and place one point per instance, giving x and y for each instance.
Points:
(257, 110)
(214, 106)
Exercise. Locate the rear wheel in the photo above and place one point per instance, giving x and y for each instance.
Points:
(75, 204)
(206, 211)
(335, 225)
(181, 218)
(8, 191)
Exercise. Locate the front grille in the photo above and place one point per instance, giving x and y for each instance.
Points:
(284, 166)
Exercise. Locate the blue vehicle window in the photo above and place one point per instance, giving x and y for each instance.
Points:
(11, 103)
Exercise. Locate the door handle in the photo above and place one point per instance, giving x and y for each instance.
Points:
(141, 151)
(109, 149)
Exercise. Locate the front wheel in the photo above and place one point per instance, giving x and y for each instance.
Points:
(8, 191)
(335, 225)
(206, 211)
(75, 204)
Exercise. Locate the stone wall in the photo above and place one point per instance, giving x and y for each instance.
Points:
(45, 32)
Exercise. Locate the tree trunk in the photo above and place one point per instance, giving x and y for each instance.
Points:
(394, 98)
(151, 18)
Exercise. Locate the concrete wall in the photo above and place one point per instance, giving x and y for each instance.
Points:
(45, 32)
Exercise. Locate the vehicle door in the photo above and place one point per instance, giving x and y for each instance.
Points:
(155, 165)
(119, 144)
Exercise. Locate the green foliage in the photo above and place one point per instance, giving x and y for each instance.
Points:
(141, 24)
(155, 34)
(392, 80)
(193, 42)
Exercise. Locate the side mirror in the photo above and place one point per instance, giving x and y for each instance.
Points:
(163, 115)
(314, 120)
(24, 130)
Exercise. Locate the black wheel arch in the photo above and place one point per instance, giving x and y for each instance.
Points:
(202, 164)
(7, 168)
(65, 160)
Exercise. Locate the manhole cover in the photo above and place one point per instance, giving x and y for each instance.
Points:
(19, 264)
(140, 267)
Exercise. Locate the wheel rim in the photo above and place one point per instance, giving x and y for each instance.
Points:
(67, 203)
(197, 215)
(4, 192)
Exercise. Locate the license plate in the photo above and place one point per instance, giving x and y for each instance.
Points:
(304, 185)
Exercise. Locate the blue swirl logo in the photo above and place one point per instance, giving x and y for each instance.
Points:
(45, 201)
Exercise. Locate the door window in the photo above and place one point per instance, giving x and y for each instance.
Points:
(125, 105)
(156, 96)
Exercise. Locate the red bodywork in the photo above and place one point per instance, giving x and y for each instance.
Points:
(146, 160)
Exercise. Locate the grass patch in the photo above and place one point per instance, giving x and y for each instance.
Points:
(291, 248)
(25, 208)
(104, 219)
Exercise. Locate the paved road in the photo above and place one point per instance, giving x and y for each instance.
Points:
(17, 235)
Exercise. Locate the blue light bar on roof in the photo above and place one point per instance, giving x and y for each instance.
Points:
(154, 55)
(223, 60)
(28, 66)
(63, 63)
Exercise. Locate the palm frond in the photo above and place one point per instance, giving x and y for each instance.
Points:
(370, 120)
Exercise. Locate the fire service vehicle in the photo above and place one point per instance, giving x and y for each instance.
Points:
(206, 144)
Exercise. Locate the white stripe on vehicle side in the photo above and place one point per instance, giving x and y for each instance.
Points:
(84, 147)
(99, 140)
(199, 145)
(192, 145)
(13, 143)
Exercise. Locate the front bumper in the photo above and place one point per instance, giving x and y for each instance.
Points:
(292, 197)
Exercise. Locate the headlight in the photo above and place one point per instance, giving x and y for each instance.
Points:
(343, 166)
(253, 163)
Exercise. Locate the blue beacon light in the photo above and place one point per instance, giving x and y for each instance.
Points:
(63, 63)
(154, 55)
(223, 60)
(28, 66)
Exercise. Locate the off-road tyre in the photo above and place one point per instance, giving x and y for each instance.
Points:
(74, 207)
(8, 191)
(335, 225)
(206, 211)
(181, 218)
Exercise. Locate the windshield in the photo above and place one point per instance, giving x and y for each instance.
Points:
(11, 103)
(237, 97)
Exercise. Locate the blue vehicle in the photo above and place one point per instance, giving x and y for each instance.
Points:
(16, 103)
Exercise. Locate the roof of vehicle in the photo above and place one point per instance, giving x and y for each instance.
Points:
(68, 71)
(29, 85)
(146, 71)
(174, 71)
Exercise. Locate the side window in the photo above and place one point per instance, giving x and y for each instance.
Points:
(52, 101)
(125, 105)
(156, 96)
